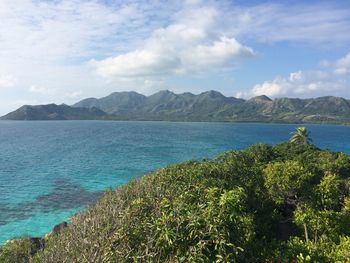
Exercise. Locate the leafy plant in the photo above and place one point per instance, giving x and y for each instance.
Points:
(301, 136)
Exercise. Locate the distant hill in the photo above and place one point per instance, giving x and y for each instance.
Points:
(207, 106)
(54, 112)
(163, 105)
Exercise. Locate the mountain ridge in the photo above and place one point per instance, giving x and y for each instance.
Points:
(207, 106)
(54, 112)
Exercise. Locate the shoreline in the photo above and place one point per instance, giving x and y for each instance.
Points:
(184, 121)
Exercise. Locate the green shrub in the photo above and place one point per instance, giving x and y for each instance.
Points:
(16, 251)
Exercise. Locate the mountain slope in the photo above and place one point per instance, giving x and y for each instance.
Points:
(117, 102)
(163, 105)
(54, 112)
(207, 106)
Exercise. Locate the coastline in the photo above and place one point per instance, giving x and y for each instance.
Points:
(187, 121)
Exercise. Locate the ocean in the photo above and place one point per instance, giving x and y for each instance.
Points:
(50, 170)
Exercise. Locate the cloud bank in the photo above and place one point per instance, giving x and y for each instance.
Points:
(331, 79)
(191, 44)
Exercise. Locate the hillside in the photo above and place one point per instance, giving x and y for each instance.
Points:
(213, 106)
(163, 105)
(283, 203)
(55, 112)
(207, 106)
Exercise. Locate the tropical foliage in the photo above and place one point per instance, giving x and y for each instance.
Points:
(301, 135)
(283, 203)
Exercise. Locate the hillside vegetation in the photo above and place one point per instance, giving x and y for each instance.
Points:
(284, 203)
(55, 112)
(213, 106)
(207, 106)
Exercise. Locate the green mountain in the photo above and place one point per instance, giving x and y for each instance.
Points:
(213, 106)
(163, 105)
(207, 106)
(121, 102)
(54, 112)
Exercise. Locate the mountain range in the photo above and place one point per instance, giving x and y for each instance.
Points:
(207, 106)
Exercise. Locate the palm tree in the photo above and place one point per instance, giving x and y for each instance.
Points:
(300, 136)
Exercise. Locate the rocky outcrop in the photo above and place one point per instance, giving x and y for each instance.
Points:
(38, 243)
(57, 229)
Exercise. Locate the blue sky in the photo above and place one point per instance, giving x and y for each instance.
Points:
(64, 50)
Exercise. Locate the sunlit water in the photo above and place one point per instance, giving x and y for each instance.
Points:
(50, 170)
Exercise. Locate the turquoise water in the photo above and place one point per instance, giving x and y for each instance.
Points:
(51, 170)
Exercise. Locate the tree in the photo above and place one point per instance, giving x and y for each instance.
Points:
(286, 181)
(300, 136)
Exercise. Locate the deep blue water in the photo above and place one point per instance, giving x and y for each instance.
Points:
(51, 170)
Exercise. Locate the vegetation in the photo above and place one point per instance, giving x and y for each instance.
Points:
(16, 251)
(301, 136)
(284, 203)
(55, 112)
(207, 106)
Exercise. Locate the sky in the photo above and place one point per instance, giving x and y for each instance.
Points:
(61, 51)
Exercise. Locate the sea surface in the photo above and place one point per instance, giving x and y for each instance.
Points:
(50, 170)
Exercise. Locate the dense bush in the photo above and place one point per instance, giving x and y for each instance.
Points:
(283, 203)
(16, 251)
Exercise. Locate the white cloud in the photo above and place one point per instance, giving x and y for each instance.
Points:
(203, 36)
(220, 53)
(268, 88)
(191, 44)
(138, 63)
(340, 67)
(344, 62)
(312, 83)
(341, 71)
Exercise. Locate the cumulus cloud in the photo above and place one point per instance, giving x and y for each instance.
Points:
(344, 62)
(204, 36)
(220, 53)
(191, 44)
(310, 83)
(342, 66)
(269, 88)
